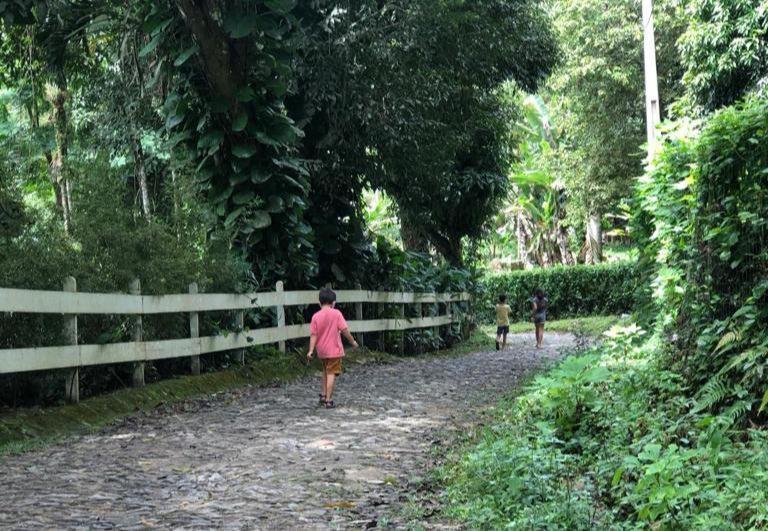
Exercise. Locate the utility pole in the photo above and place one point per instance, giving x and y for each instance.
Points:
(652, 111)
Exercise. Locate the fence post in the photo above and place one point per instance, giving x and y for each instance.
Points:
(380, 314)
(359, 315)
(419, 315)
(402, 335)
(138, 367)
(72, 382)
(194, 330)
(279, 288)
(449, 312)
(436, 329)
(240, 324)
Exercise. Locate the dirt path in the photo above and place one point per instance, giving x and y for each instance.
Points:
(264, 458)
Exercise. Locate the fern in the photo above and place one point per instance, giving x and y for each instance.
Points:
(713, 392)
(737, 411)
(728, 340)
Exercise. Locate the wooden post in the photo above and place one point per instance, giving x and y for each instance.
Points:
(419, 315)
(138, 367)
(72, 382)
(280, 287)
(239, 354)
(449, 312)
(402, 335)
(194, 330)
(359, 317)
(380, 313)
(436, 329)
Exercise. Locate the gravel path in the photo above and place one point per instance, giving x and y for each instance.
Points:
(265, 458)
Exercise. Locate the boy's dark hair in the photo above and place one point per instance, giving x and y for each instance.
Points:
(502, 298)
(327, 296)
(539, 292)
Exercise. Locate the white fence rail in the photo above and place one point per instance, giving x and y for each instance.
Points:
(70, 303)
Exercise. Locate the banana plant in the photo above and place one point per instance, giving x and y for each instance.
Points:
(537, 201)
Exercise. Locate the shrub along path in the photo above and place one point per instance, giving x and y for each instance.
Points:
(266, 458)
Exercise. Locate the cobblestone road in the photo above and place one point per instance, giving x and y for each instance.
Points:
(265, 458)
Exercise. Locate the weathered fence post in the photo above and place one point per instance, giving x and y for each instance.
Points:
(436, 329)
(419, 334)
(194, 330)
(138, 367)
(359, 316)
(402, 323)
(72, 382)
(380, 313)
(239, 354)
(449, 313)
(279, 288)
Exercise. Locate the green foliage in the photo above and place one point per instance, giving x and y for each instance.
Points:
(538, 196)
(604, 440)
(600, 103)
(702, 231)
(724, 50)
(573, 291)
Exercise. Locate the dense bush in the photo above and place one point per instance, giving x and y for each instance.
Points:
(704, 251)
(573, 291)
(606, 441)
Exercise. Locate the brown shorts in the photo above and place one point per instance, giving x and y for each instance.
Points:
(332, 366)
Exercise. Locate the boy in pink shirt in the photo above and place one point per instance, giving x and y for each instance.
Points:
(326, 329)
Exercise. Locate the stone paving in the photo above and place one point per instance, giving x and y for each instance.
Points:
(266, 458)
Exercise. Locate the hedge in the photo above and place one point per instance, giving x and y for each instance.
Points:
(573, 291)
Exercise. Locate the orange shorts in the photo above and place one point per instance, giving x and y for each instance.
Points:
(331, 365)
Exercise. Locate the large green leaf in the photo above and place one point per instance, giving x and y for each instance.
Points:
(245, 94)
(266, 139)
(240, 121)
(260, 219)
(151, 45)
(210, 139)
(233, 216)
(244, 151)
(275, 204)
(259, 176)
(280, 6)
(243, 197)
(239, 25)
(186, 54)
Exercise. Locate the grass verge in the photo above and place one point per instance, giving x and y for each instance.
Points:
(591, 326)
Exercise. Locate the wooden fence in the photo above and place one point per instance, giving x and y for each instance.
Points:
(71, 303)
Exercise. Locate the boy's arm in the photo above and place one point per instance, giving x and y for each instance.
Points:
(349, 337)
(312, 345)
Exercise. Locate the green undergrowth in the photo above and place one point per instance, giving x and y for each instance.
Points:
(608, 439)
(25, 429)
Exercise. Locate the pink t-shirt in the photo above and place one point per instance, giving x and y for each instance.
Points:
(326, 325)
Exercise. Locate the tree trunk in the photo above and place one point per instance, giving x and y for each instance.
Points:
(594, 241)
(141, 175)
(58, 162)
(523, 238)
(413, 238)
(566, 256)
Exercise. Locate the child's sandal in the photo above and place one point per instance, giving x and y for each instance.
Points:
(321, 402)
(329, 404)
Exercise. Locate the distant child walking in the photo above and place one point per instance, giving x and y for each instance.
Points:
(502, 321)
(539, 305)
(326, 329)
